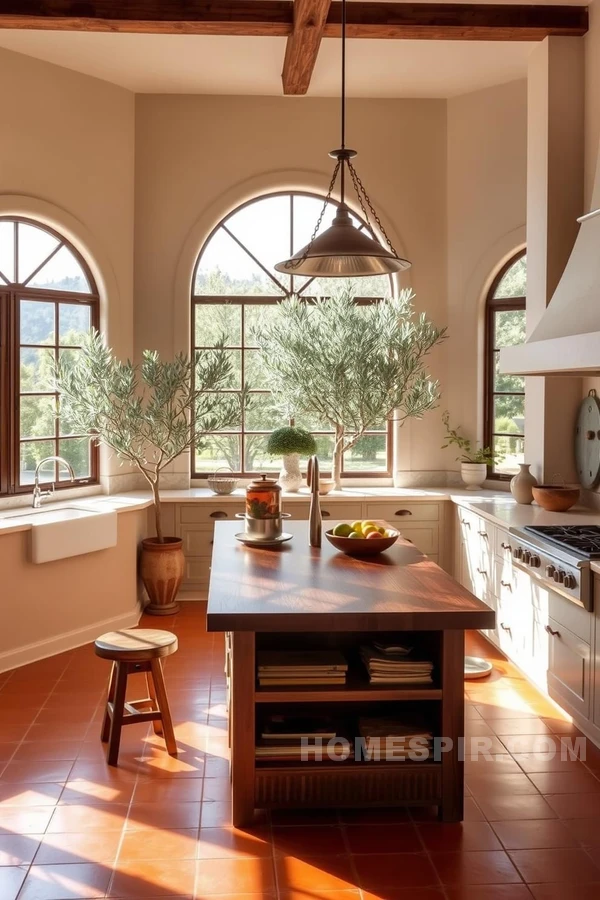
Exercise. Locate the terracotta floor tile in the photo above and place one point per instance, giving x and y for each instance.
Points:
(47, 750)
(487, 786)
(546, 762)
(314, 840)
(23, 794)
(524, 806)
(37, 771)
(246, 876)
(537, 834)
(375, 816)
(401, 838)
(403, 894)
(25, 820)
(164, 790)
(228, 843)
(575, 806)
(215, 814)
(571, 866)
(441, 837)
(94, 793)
(144, 816)
(7, 749)
(532, 743)
(85, 846)
(580, 782)
(147, 878)
(489, 892)
(566, 892)
(79, 881)
(395, 870)
(475, 867)
(217, 789)
(18, 849)
(588, 838)
(309, 894)
(82, 817)
(483, 745)
(501, 764)
(318, 873)
(11, 879)
(159, 844)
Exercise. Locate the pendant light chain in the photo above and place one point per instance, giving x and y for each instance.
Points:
(360, 193)
(294, 263)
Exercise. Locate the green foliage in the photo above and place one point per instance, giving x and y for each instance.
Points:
(350, 366)
(147, 413)
(469, 453)
(291, 440)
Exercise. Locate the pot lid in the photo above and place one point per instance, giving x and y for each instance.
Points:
(264, 484)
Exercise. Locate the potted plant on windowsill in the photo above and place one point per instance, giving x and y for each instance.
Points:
(350, 366)
(148, 414)
(290, 444)
(474, 461)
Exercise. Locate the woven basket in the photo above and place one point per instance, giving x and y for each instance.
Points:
(223, 481)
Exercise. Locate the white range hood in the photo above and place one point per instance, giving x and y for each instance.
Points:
(566, 340)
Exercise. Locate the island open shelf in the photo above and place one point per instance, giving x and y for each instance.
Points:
(298, 597)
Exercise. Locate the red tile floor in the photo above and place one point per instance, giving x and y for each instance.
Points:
(72, 828)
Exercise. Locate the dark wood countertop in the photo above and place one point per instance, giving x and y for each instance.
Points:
(296, 587)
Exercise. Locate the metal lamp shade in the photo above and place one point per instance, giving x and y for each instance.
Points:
(343, 251)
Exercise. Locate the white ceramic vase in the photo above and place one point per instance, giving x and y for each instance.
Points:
(473, 475)
(290, 477)
(522, 483)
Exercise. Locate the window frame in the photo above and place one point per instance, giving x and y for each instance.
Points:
(10, 355)
(494, 305)
(260, 299)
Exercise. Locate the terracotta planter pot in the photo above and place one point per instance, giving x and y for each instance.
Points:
(161, 570)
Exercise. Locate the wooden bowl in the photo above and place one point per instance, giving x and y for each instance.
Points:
(361, 546)
(555, 498)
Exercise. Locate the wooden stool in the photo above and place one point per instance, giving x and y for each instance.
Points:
(136, 650)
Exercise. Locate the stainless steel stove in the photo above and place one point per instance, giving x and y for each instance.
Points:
(559, 557)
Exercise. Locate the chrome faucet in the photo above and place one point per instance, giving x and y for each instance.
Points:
(314, 519)
(38, 493)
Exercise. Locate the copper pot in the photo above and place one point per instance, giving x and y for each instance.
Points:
(161, 570)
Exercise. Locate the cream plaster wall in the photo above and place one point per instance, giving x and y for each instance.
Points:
(487, 168)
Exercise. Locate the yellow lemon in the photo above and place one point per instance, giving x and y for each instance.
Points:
(357, 526)
(342, 530)
(370, 529)
(354, 535)
(367, 523)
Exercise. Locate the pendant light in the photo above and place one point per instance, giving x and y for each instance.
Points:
(342, 250)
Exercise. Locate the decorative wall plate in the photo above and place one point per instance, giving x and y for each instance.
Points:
(587, 441)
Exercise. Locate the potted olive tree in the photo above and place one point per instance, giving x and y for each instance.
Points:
(474, 460)
(290, 444)
(349, 366)
(148, 414)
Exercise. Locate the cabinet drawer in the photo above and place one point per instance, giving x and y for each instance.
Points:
(298, 511)
(569, 678)
(197, 572)
(502, 544)
(398, 511)
(568, 614)
(346, 512)
(197, 541)
(424, 537)
(191, 513)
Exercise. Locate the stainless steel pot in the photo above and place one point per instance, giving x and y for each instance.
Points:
(264, 529)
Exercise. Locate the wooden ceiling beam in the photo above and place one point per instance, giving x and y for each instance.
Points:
(273, 18)
(302, 47)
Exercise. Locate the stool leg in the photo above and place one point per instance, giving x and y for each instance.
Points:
(163, 705)
(109, 699)
(157, 723)
(118, 713)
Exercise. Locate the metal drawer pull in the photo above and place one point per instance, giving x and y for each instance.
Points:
(218, 514)
(551, 631)
(504, 627)
(465, 523)
(325, 514)
(505, 546)
(483, 534)
(506, 584)
(482, 572)
(403, 512)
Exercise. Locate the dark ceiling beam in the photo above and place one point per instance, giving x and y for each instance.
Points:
(303, 44)
(272, 18)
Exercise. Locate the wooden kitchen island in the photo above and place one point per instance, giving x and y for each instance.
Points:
(298, 597)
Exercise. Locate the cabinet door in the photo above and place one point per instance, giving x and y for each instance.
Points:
(424, 537)
(515, 613)
(476, 559)
(569, 668)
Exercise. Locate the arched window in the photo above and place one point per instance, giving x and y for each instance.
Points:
(234, 285)
(48, 300)
(505, 394)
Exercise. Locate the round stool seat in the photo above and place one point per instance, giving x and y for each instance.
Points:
(135, 644)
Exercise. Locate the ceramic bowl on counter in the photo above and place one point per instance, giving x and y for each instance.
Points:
(555, 497)
(361, 546)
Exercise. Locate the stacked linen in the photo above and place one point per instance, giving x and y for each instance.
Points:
(390, 739)
(392, 664)
(300, 667)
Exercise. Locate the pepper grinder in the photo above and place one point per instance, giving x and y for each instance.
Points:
(314, 519)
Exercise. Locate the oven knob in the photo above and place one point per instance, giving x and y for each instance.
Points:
(535, 562)
(550, 570)
(526, 556)
(559, 576)
(518, 553)
(569, 581)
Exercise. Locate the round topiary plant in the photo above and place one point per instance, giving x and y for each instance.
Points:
(291, 443)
